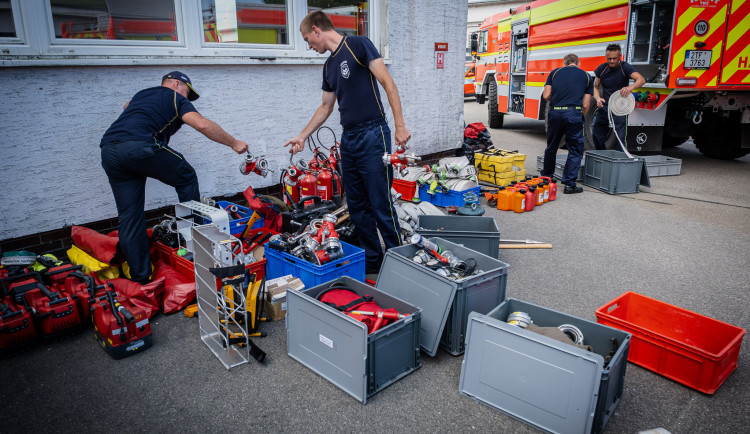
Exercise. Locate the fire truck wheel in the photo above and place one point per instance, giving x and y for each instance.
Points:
(720, 137)
(609, 143)
(669, 141)
(494, 116)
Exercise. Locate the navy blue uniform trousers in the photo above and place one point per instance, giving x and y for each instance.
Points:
(367, 182)
(567, 123)
(127, 165)
(600, 129)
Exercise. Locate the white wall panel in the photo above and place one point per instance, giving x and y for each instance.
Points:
(52, 119)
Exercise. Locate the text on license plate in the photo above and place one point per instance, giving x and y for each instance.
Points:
(697, 59)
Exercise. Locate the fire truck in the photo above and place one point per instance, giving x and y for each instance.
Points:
(694, 55)
(469, 72)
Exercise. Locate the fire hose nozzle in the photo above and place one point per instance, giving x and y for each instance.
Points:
(258, 165)
(381, 314)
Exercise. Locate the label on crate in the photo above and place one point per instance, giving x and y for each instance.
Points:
(325, 341)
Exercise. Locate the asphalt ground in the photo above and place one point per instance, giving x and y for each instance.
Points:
(684, 241)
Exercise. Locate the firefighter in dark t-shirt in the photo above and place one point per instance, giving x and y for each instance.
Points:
(136, 147)
(351, 76)
(613, 76)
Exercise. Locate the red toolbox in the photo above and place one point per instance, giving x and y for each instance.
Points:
(121, 327)
(692, 349)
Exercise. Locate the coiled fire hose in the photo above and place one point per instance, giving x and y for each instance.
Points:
(620, 106)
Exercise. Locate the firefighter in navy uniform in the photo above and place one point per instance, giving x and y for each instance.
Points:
(612, 76)
(350, 76)
(136, 147)
(568, 92)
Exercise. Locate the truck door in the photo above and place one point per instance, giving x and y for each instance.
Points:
(735, 66)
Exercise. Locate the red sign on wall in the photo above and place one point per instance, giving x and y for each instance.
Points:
(440, 60)
(441, 46)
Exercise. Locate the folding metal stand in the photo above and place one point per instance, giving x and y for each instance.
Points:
(221, 302)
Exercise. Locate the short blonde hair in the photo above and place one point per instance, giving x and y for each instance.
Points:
(318, 19)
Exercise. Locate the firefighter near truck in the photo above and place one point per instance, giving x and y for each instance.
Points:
(694, 54)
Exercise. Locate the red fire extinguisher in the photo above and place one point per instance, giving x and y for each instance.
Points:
(290, 182)
(324, 186)
(308, 186)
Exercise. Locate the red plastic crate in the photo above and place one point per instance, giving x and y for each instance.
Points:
(163, 253)
(187, 269)
(692, 349)
(408, 189)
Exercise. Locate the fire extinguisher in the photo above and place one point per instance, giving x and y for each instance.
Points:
(308, 186)
(290, 181)
(324, 186)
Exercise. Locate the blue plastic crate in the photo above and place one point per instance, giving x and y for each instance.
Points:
(352, 265)
(237, 225)
(451, 198)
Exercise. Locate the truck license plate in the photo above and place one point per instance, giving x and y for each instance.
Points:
(697, 59)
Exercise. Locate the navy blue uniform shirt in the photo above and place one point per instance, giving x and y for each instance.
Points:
(613, 79)
(152, 114)
(569, 84)
(346, 74)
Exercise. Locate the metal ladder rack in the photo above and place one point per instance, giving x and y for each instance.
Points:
(219, 315)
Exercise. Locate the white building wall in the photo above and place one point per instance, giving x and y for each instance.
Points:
(52, 119)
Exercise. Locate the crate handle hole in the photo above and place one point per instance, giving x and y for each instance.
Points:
(613, 307)
(343, 263)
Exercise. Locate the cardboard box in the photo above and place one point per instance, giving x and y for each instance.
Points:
(276, 288)
(274, 311)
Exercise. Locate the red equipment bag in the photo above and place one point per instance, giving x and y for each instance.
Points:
(16, 326)
(100, 246)
(472, 130)
(121, 327)
(346, 300)
(146, 297)
(179, 291)
(265, 208)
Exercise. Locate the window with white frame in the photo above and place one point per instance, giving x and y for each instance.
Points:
(7, 23)
(134, 20)
(155, 31)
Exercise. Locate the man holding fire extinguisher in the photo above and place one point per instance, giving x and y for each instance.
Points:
(349, 77)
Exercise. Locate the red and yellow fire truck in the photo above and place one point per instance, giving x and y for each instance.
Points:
(469, 72)
(694, 54)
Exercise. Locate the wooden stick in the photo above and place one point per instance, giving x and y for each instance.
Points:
(525, 246)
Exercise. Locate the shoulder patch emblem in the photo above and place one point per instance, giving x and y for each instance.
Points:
(344, 69)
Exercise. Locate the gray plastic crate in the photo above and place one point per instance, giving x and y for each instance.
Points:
(560, 166)
(474, 232)
(544, 382)
(614, 172)
(660, 165)
(338, 347)
(445, 303)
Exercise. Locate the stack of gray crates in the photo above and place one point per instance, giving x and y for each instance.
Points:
(614, 172)
(339, 348)
(473, 232)
(445, 303)
(552, 385)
